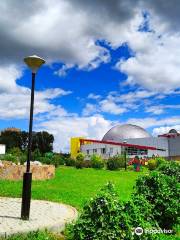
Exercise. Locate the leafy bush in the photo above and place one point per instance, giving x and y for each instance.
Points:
(130, 168)
(45, 160)
(11, 158)
(22, 159)
(79, 164)
(139, 214)
(163, 192)
(80, 157)
(57, 160)
(36, 155)
(79, 160)
(152, 164)
(97, 162)
(99, 219)
(115, 162)
(87, 164)
(160, 161)
(107, 218)
(69, 162)
(171, 169)
(15, 151)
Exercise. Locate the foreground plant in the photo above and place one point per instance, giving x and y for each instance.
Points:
(105, 218)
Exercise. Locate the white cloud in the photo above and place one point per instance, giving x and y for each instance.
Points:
(89, 109)
(8, 76)
(15, 100)
(109, 106)
(131, 96)
(162, 130)
(93, 96)
(153, 122)
(63, 128)
(64, 31)
(155, 65)
(62, 72)
(159, 109)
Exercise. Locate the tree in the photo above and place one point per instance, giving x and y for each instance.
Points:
(43, 141)
(10, 139)
(23, 140)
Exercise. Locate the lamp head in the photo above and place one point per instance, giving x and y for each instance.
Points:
(34, 62)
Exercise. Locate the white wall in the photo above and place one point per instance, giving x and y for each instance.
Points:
(111, 150)
(2, 149)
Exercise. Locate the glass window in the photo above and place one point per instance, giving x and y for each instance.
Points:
(103, 150)
(94, 150)
(135, 151)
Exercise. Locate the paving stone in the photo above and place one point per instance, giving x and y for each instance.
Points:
(43, 215)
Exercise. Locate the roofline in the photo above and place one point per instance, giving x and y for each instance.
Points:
(169, 135)
(119, 144)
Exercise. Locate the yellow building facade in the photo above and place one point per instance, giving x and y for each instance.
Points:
(75, 146)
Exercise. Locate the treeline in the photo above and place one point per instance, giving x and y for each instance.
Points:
(43, 141)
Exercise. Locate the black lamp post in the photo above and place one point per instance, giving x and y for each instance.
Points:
(33, 62)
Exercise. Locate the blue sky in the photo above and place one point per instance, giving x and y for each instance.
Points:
(116, 66)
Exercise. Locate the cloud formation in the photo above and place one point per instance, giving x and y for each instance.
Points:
(15, 99)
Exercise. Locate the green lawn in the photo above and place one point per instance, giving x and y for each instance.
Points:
(74, 186)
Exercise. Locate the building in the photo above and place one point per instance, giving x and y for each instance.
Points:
(2, 149)
(132, 139)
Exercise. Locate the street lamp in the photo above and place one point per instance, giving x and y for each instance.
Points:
(34, 63)
(125, 165)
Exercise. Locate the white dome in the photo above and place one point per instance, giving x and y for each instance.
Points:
(125, 131)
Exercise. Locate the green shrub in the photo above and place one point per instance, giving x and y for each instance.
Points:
(79, 164)
(80, 160)
(87, 164)
(36, 155)
(130, 168)
(69, 162)
(22, 159)
(45, 160)
(171, 169)
(15, 151)
(57, 160)
(97, 162)
(11, 158)
(104, 217)
(160, 161)
(139, 214)
(61, 160)
(168, 237)
(152, 164)
(115, 162)
(99, 219)
(163, 193)
(80, 157)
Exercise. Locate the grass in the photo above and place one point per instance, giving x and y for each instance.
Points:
(74, 186)
(38, 235)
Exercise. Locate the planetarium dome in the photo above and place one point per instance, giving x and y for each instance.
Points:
(125, 131)
(174, 131)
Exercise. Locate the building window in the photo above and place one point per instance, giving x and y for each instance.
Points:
(111, 150)
(134, 151)
(94, 150)
(103, 151)
(87, 152)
